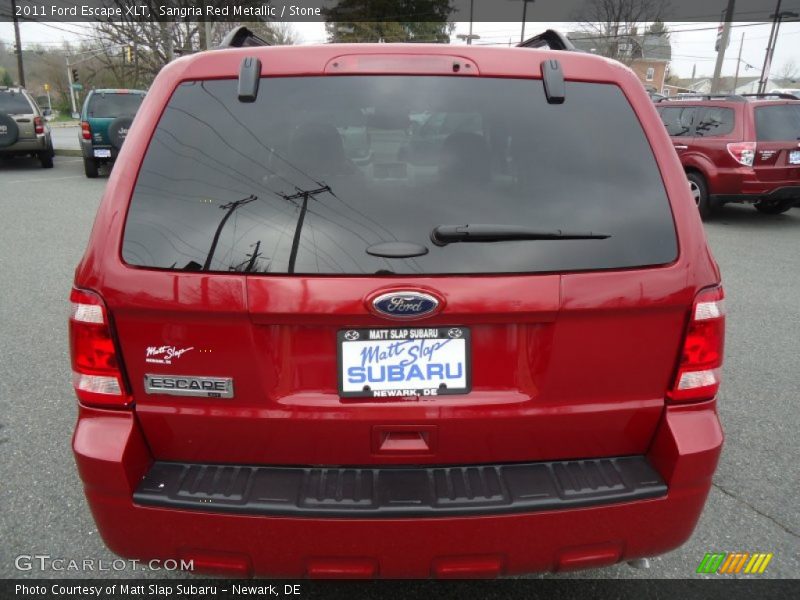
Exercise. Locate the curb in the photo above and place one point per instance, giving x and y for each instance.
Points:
(67, 152)
(64, 124)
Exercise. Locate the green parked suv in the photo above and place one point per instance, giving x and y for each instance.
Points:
(105, 119)
(23, 129)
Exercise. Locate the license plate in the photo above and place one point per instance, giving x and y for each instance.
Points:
(794, 157)
(102, 153)
(403, 362)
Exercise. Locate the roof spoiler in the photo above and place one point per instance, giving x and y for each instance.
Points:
(242, 37)
(550, 38)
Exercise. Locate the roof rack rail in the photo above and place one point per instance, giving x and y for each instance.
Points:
(775, 95)
(729, 97)
(550, 38)
(242, 37)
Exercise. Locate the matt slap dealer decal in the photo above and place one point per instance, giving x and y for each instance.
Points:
(164, 355)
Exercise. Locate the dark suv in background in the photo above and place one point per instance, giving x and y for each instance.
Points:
(105, 120)
(743, 148)
(23, 129)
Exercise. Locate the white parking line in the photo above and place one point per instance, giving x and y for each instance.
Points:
(41, 180)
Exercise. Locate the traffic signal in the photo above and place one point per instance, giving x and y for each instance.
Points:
(74, 75)
(128, 54)
(46, 87)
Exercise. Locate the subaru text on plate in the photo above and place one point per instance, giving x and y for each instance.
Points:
(499, 356)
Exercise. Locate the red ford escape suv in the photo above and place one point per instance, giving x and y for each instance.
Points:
(500, 356)
(738, 149)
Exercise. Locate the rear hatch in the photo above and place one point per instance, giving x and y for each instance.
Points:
(262, 254)
(18, 107)
(104, 107)
(778, 142)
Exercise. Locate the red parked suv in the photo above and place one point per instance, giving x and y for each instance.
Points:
(500, 355)
(738, 148)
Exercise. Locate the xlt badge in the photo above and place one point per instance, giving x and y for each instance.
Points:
(187, 385)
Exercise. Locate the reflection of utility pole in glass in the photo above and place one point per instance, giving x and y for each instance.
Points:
(304, 195)
(230, 207)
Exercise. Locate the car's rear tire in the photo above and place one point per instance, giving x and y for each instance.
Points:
(697, 185)
(773, 207)
(46, 158)
(90, 168)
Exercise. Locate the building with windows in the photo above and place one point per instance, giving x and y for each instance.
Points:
(648, 55)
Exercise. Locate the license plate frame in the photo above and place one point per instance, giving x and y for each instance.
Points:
(794, 157)
(425, 342)
(102, 152)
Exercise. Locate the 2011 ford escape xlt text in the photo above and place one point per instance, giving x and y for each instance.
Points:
(397, 311)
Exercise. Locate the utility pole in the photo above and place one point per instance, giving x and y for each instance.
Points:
(20, 69)
(738, 62)
(71, 84)
(723, 44)
(762, 82)
(773, 41)
(524, 18)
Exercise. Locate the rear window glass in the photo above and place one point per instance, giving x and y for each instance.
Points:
(714, 121)
(319, 169)
(14, 104)
(113, 105)
(778, 123)
(678, 119)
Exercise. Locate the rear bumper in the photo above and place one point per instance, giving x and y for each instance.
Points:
(786, 192)
(88, 148)
(743, 185)
(113, 458)
(28, 145)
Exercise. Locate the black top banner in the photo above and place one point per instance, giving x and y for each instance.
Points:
(395, 10)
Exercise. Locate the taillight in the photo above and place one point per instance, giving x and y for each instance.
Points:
(38, 125)
(743, 152)
(96, 372)
(701, 359)
(86, 131)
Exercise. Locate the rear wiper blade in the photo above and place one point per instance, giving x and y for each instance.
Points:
(449, 234)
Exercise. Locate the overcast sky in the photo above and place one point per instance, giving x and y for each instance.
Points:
(692, 43)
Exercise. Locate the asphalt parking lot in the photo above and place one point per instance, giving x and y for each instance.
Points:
(48, 215)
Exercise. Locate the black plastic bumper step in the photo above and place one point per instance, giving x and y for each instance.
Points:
(399, 491)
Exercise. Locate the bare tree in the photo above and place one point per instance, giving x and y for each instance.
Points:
(788, 72)
(612, 27)
(155, 43)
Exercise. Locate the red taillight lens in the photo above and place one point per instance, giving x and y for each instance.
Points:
(38, 125)
(96, 373)
(743, 152)
(86, 131)
(701, 359)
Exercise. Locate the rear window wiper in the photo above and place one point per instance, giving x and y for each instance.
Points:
(449, 234)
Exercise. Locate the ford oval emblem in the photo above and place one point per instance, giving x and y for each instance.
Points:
(405, 305)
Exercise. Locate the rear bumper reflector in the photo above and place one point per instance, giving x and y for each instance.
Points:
(399, 491)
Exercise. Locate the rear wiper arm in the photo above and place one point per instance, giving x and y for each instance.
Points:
(449, 234)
